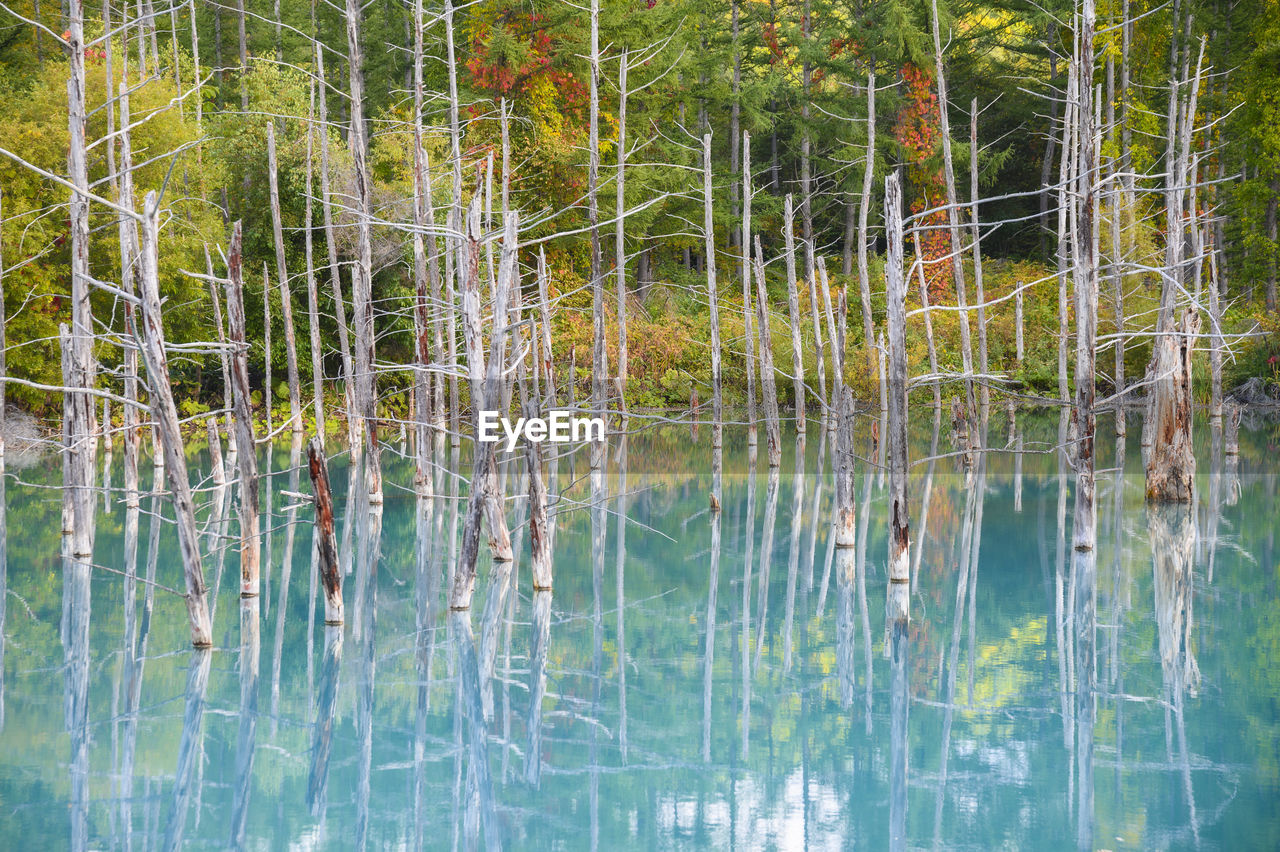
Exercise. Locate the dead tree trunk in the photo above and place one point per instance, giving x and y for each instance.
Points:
(282, 274)
(864, 214)
(793, 306)
(928, 321)
(422, 380)
(620, 248)
(978, 294)
(713, 298)
(486, 500)
(78, 410)
(326, 539)
(599, 355)
(246, 455)
(1216, 342)
(313, 295)
(748, 336)
(953, 219)
(362, 277)
(896, 437)
(846, 508)
(773, 428)
(1171, 466)
(331, 246)
(1085, 264)
(165, 414)
(1065, 213)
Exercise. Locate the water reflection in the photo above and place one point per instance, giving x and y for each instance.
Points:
(190, 747)
(709, 698)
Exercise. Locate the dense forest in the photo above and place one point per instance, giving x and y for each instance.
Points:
(589, 122)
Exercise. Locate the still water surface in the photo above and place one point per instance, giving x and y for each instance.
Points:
(694, 680)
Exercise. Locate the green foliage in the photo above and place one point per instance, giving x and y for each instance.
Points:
(35, 230)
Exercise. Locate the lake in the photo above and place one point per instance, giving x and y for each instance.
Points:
(696, 679)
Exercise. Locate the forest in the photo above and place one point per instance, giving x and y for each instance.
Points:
(270, 272)
(593, 132)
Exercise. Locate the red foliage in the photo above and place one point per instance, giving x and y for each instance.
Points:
(493, 71)
(918, 132)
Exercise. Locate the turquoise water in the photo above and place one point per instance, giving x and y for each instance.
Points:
(685, 696)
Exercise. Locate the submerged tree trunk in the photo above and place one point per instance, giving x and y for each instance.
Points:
(896, 393)
(326, 541)
(165, 413)
(748, 337)
(1171, 467)
(362, 275)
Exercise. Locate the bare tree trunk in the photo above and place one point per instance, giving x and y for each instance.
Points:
(978, 294)
(1171, 467)
(748, 336)
(246, 454)
(331, 245)
(793, 306)
(928, 321)
(713, 298)
(1019, 348)
(362, 283)
(1216, 342)
(456, 224)
(326, 540)
(422, 379)
(1065, 212)
(282, 274)
(620, 249)
(896, 432)
(773, 429)
(864, 212)
(81, 369)
(953, 218)
(165, 414)
(486, 498)
(268, 385)
(1274, 186)
(313, 295)
(735, 132)
(1085, 264)
(599, 356)
(244, 57)
(846, 508)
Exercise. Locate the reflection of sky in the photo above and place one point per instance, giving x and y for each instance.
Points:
(763, 821)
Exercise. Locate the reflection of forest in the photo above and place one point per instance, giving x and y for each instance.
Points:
(731, 678)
